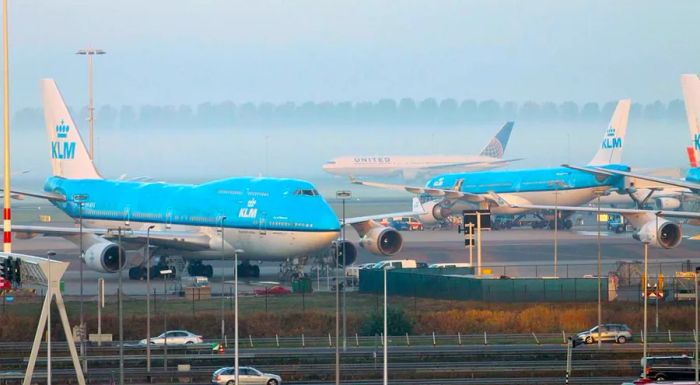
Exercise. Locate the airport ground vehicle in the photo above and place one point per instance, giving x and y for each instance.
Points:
(617, 223)
(246, 375)
(396, 264)
(175, 337)
(274, 290)
(619, 333)
(449, 264)
(669, 368)
(5, 284)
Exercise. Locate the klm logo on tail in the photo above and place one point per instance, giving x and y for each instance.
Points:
(611, 141)
(696, 142)
(61, 149)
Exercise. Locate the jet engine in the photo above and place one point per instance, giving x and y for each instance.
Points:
(103, 257)
(666, 203)
(382, 241)
(434, 212)
(350, 252)
(668, 234)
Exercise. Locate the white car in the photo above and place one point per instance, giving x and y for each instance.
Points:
(246, 376)
(175, 337)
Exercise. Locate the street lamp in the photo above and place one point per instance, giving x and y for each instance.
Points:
(223, 322)
(557, 184)
(148, 299)
(646, 301)
(600, 299)
(48, 322)
(342, 195)
(386, 333)
(697, 370)
(165, 273)
(90, 52)
(80, 198)
(235, 306)
(120, 252)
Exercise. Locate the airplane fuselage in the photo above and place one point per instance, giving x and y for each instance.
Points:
(544, 186)
(268, 218)
(408, 166)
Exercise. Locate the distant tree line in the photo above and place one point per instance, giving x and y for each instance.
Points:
(383, 112)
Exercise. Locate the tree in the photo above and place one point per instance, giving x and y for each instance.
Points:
(590, 111)
(398, 323)
(569, 110)
(676, 110)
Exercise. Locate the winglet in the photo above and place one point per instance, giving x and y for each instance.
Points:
(497, 146)
(610, 150)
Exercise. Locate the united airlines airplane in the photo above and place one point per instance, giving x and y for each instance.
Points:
(517, 191)
(411, 167)
(270, 219)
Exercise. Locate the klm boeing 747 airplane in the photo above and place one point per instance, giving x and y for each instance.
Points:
(269, 219)
(517, 191)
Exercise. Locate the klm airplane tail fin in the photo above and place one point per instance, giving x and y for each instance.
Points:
(610, 151)
(691, 94)
(497, 146)
(69, 157)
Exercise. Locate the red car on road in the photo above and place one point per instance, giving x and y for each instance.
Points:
(274, 290)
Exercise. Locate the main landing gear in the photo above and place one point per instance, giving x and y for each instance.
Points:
(197, 268)
(139, 272)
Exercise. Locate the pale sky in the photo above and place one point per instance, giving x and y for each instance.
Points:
(187, 52)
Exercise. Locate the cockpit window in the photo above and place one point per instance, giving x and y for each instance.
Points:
(309, 192)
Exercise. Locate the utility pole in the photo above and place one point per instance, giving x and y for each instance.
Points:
(90, 52)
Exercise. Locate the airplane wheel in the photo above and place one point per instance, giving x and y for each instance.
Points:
(208, 271)
(136, 273)
(256, 271)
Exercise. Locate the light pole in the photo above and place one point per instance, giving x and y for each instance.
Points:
(600, 294)
(697, 370)
(165, 274)
(342, 194)
(386, 332)
(80, 199)
(120, 252)
(646, 301)
(148, 300)
(557, 184)
(235, 310)
(90, 52)
(48, 322)
(223, 322)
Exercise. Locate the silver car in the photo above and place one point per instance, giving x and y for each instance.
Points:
(619, 333)
(175, 337)
(246, 376)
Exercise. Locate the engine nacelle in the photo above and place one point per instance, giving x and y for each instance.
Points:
(669, 234)
(434, 213)
(104, 257)
(382, 241)
(666, 203)
(350, 252)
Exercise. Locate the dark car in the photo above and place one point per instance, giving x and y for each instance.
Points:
(669, 368)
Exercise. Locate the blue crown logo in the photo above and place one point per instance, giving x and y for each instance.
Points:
(62, 130)
(611, 131)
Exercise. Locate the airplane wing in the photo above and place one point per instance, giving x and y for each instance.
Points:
(694, 187)
(434, 192)
(17, 194)
(661, 213)
(186, 240)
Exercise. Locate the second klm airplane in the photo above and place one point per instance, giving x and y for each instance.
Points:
(269, 219)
